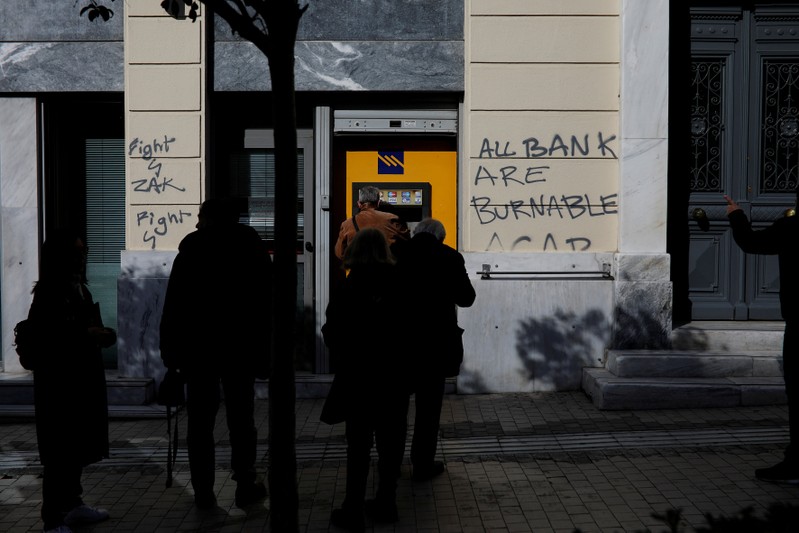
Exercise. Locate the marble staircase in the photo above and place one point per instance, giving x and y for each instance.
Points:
(711, 364)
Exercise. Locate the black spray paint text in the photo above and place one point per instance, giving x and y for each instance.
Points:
(573, 244)
(558, 146)
(509, 174)
(155, 183)
(568, 207)
(158, 226)
(149, 150)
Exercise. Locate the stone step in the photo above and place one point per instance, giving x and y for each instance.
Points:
(116, 412)
(729, 336)
(136, 397)
(318, 385)
(693, 364)
(306, 386)
(17, 389)
(610, 392)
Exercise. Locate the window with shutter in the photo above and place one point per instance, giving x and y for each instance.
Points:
(105, 226)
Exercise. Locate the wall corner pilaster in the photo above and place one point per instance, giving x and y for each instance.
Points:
(643, 297)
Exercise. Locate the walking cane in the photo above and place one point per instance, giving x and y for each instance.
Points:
(171, 394)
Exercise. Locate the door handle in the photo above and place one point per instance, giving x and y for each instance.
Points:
(700, 216)
(308, 247)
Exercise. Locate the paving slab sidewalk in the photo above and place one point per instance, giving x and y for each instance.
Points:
(515, 462)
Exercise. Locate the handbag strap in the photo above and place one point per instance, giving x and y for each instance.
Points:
(355, 224)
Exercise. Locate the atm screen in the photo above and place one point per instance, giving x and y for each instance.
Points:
(403, 197)
(409, 201)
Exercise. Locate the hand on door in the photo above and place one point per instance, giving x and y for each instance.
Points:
(731, 205)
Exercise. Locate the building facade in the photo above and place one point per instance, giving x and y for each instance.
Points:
(577, 152)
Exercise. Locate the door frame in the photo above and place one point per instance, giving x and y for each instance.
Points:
(265, 139)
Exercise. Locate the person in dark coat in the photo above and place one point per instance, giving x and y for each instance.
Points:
(779, 238)
(437, 276)
(371, 383)
(68, 382)
(215, 331)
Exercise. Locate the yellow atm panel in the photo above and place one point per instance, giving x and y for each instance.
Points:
(395, 168)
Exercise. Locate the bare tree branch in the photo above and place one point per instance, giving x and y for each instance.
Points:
(242, 22)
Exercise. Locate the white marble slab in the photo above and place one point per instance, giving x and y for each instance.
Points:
(19, 218)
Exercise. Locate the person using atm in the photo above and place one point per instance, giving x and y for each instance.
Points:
(369, 216)
(437, 275)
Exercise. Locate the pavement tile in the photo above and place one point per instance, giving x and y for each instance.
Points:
(541, 490)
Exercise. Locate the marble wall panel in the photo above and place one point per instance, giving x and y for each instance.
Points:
(534, 335)
(141, 289)
(643, 190)
(643, 314)
(542, 262)
(18, 219)
(644, 126)
(645, 49)
(61, 67)
(347, 66)
(642, 267)
(139, 308)
(48, 20)
(345, 20)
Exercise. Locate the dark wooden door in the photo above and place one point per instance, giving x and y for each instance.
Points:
(745, 143)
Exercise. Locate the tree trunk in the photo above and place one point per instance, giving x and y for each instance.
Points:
(276, 41)
(282, 424)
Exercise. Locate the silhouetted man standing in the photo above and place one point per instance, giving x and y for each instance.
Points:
(215, 330)
(436, 275)
(781, 238)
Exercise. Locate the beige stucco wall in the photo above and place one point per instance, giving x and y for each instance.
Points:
(541, 129)
(165, 95)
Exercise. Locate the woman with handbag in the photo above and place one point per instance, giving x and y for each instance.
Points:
(68, 381)
(370, 388)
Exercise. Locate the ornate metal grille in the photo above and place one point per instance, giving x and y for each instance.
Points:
(707, 124)
(779, 139)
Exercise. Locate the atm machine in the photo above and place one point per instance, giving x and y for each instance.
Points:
(410, 201)
(410, 155)
(415, 183)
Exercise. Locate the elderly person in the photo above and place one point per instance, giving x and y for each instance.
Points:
(370, 215)
(437, 274)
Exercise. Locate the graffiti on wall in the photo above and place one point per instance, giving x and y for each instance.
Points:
(156, 180)
(154, 224)
(521, 200)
